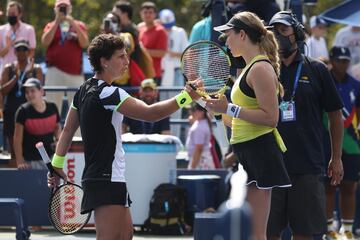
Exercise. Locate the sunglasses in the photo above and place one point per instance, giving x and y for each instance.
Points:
(21, 49)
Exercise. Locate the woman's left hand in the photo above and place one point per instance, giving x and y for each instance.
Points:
(217, 105)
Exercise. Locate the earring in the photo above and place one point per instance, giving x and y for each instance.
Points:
(105, 66)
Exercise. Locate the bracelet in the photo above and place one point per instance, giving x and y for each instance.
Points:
(233, 110)
(58, 161)
(183, 99)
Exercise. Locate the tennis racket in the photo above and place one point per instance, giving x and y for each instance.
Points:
(208, 62)
(65, 202)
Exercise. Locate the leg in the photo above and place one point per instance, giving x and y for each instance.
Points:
(330, 206)
(347, 206)
(113, 222)
(259, 200)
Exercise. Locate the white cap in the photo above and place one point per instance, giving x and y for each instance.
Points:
(167, 18)
(315, 21)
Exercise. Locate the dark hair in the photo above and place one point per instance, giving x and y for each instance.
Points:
(125, 7)
(197, 107)
(103, 45)
(17, 4)
(148, 5)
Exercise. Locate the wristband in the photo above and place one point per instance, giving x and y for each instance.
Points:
(183, 99)
(233, 110)
(201, 102)
(58, 161)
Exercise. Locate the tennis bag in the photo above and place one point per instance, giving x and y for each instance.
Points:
(167, 210)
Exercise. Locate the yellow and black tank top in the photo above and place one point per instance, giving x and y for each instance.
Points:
(242, 130)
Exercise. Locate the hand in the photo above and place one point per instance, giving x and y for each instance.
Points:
(22, 165)
(54, 180)
(335, 171)
(217, 105)
(29, 65)
(193, 94)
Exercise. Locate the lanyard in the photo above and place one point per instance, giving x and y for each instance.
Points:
(296, 81)
(20, 81)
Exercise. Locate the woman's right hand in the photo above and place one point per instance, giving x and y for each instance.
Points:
(53, 180)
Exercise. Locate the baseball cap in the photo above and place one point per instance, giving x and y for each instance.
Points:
(315, 21)
(21, 43)
(148, 83)
(284, 17)
(167, 18)
(58, 2)
(337, 52)
(32, 82)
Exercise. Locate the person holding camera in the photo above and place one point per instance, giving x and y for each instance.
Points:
(110, 23)
(64, 39)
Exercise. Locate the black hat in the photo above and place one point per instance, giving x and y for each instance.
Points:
(337, 52)
(32, 82)
(284, 17)
(238, 24)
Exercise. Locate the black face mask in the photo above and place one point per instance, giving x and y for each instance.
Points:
(12, 20)
(285, 45)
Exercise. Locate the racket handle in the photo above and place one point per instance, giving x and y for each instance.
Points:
(223, 138)
(45, 157)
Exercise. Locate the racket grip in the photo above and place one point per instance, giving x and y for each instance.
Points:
(45, 157)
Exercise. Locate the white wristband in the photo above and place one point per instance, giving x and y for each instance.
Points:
(233, 110)
(201, 102)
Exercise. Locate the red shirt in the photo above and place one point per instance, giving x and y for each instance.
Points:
(66, 56)
(154, 38)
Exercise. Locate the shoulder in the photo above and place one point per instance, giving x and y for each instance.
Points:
(314, 63)
(27, 26)
(261, 70)
(80, 23)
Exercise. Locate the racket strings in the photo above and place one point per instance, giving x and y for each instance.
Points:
(65, 209)
(208, 63)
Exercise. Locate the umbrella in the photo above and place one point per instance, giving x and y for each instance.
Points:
(347, 13)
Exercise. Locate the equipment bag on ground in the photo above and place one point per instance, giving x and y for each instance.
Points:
(167, 210)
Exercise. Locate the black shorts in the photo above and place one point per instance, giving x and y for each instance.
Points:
(263, 161)
(302, 207)
(99, 193)
(351, 165)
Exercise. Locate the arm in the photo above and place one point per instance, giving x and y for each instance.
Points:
(125, 128)
(137, 109)
(196, 156)
(8, 43)
(335, 169)
(156, 52)
(49, 34)
(71, 125)
(6, 83)
(81, 33)
(166, 132)
(18, 141)
(40, 76)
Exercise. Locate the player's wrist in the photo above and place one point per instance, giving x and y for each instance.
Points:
(58, 161)
(233, 110)
(183, 99)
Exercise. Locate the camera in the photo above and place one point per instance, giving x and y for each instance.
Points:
(107, 24)
(62, 9)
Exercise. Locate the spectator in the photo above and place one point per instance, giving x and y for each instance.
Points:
(198, 140)
(316, 45)
(64, 38)
(12, 78)
(14, 30)
(309, 91)
(349, 37)
(149, 94)
(202, 29)
(349, 89)
(36, 120)
(177, 42)
(140, 55)
(153, 37)
(110, 23)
